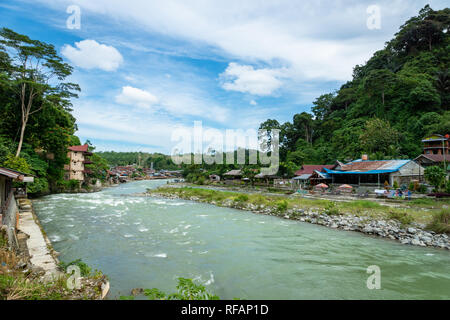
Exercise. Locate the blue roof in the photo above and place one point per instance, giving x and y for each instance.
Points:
(323, 174)
(385, 166)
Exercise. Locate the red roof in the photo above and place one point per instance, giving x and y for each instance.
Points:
(309, 169)
(83, 148)
(436, 157)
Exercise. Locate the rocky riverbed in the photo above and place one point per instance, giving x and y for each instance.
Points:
(413, 234)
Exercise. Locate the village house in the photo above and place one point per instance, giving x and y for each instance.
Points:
(233, 176)
(78, 156)
(364, 172)
(311, 175)
(436, 152)
(265, 179)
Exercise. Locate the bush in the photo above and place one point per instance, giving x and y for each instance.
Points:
(403, 217)
(440, 222)
(200, 180)
(18, 164)
(281, 205)
(187, 290)
(39, 186)
(85, 270)
(422, 189)
(241, 198)
(436, 176)
(331, 209)
(73, 184)
(395, 186)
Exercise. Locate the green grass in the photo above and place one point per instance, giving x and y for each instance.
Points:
(403, 217)
(440, 222)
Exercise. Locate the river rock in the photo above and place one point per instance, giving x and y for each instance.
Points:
(367, 229)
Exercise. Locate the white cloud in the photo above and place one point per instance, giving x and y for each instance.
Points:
(89, 54)
(253, 103)
(191, 104)
(136, 97)
(314, 39)
(246, 79)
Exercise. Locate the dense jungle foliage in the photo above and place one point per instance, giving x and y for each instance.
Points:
(36, 124)
(399, 96)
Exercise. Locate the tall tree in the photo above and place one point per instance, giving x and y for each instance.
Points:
(304, 122)
(37, 73)
(379, 136)
(377, 81)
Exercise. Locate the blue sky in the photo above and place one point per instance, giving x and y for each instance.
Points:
(147, 68)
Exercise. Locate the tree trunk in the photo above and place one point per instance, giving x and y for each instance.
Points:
(22, 133)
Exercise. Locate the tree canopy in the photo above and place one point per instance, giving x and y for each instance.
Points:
(400, 95)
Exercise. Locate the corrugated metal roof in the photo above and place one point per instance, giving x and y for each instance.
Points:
(10, 173)
(370, 167)
(435, 157)
(303, 177)
(309, 168)
(323, 175)
(233, 173)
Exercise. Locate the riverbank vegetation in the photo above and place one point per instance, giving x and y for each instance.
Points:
(440, 222)
(187, 289)
(419, 211)
(19, 284)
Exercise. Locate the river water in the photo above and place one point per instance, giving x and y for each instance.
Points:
(141, 242)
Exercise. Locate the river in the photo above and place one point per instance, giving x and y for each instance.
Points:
(141, 242)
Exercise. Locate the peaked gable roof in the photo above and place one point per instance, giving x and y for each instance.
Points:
(83, 148)
(233, 173)
(435, 157)
(310, 168)
(370, 167)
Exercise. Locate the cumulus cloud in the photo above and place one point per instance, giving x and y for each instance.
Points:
(244, 78)
(89, 54)
(315, 39)
(178, 102)
(136, 97)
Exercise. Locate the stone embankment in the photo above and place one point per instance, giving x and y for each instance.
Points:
(42, 256)
(413, 234)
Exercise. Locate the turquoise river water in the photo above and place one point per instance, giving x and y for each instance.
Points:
(143, 242)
